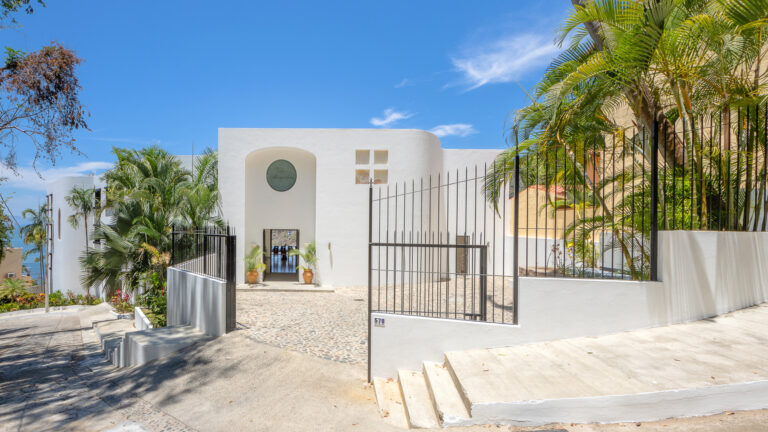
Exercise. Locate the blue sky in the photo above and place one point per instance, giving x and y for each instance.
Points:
(172, 72)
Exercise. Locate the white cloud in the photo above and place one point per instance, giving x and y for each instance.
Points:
(504, 60)
(390, 117)
(456, 129)
(403, 83)
(27, 178)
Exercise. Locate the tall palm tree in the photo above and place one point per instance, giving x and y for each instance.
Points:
(82, 201)
(33, 234)
(662, 61)
(201, 198)
(149, 192)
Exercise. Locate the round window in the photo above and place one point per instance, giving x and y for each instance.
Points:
(281, 175)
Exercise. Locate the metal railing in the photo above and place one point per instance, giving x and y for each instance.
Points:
(208, 251)
(588, 209)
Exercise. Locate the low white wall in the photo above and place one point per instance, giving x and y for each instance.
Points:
(703, 274)
(196, 300)
(140, 321)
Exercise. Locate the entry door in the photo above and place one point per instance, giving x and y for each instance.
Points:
(267, 257)
(275, 259)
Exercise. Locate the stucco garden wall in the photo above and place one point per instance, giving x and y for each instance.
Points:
(196, 300)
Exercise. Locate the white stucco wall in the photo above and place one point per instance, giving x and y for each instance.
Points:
(196, 300)
(703, 274)
(340, 205)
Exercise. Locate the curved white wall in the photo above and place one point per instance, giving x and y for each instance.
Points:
(266, 208)
(68, 242)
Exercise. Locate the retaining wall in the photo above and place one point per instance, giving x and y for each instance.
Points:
(196, 300)
(702, 274)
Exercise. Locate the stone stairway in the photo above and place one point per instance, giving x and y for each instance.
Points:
(692, 369)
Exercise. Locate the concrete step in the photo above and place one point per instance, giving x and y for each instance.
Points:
(691, 369)
(390, 401)
(147, 345)
(419, 411)
(445, 397)
(111, 336)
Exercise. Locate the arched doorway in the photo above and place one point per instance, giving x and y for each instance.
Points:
(279, 206)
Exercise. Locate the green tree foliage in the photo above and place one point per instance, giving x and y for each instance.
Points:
(663, 62)
(82, 200)
(33, 234)
(148, 193)
(39, 96)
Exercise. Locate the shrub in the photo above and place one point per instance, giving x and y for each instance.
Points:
(11, 289)
(122, 302)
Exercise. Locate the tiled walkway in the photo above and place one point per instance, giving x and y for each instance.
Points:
(326, 325)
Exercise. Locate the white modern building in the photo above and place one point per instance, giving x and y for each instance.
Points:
(316, 190)
(313, 184)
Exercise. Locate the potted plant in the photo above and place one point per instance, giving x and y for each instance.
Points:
(309, 256)
(254, 263)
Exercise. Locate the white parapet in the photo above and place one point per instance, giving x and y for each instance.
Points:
(198, 301)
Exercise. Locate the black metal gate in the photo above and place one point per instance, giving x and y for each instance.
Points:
(209, 251)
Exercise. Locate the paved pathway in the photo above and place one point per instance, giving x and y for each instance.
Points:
(52, 378)
(331, 326)
(50, 381)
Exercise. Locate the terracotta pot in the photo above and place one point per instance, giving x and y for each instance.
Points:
(253, 277)
(308, 276)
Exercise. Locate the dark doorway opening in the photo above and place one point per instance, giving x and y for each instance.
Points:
(277, 245)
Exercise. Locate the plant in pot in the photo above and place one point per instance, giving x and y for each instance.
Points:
(254, 264)
(309, 256)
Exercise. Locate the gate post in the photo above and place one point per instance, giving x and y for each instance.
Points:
(370, 262)
(483, 283)
(231, 294)
(654, 201)
(516, 245)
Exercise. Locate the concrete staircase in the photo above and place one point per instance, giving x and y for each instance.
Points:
(111, 335)
(692, 369)
(428, 398)
(125, 346)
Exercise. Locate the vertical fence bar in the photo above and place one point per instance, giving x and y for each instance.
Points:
(231, 293)
(515, 246)
(654, 201)
(484, 283)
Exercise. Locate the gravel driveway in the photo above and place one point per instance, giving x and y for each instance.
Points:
(331, 326)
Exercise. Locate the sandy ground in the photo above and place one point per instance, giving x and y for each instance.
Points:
(51, 378)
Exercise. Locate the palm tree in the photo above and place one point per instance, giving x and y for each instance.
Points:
(149, 192)
(201, 199)
(662, 61)
(81, 200)
(34, 234)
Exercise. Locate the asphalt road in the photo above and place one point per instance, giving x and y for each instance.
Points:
(54, 378)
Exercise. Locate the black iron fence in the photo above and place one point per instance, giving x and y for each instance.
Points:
(438, 249)
(453, 245)
(208, 251)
